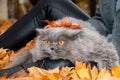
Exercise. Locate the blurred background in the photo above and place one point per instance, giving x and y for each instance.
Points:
(15, 9)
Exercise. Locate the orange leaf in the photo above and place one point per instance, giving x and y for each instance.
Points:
(74, 75)
(30, 44)
(52, 23)
(116, 71)
(63, 23)
(65, 71)
(79, 65)
(4, 77)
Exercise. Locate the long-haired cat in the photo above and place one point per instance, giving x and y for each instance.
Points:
(84, 44)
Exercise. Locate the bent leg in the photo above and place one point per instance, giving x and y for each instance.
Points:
(62, 8)
(24, 29)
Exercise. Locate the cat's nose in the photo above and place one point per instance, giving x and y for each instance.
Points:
(52, 48)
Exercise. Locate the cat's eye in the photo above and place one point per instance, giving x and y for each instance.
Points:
(47, 42)
(61, 42)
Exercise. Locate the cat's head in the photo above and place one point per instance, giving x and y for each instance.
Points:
(57, 42)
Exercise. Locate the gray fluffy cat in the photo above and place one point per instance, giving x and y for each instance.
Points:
(84, 44)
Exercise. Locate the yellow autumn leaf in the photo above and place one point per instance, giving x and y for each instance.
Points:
(83, 73)
(94, 73)
(102, 73)
(52, 78)
(116, 71)
(79, 65)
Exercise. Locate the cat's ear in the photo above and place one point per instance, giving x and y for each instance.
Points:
(40, 31)
(73, 34)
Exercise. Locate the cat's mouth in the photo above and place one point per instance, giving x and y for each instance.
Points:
(49, 54)
(52, 55)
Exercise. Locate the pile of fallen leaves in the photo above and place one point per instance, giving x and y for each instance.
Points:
(80, 72)
(6, 55)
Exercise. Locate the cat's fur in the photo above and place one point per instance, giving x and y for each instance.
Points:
(84, 44)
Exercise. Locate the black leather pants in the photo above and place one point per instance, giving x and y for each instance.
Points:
(24, 29)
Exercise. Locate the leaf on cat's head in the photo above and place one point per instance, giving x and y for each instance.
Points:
(63, 23)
